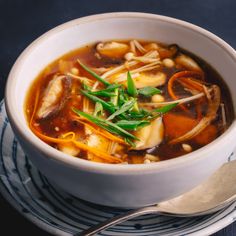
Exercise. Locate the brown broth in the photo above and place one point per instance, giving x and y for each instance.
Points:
(62, 122)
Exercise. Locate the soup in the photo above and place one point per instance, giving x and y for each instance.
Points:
(128, 102)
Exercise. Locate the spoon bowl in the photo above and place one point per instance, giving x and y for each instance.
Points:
(212, 195)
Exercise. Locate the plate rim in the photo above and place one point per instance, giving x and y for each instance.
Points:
(208, 230)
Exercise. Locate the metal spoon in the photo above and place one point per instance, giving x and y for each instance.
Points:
(212, 195)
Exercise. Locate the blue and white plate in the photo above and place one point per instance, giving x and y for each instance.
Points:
(60, 213)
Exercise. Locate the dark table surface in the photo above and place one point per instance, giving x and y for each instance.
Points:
(22, 21)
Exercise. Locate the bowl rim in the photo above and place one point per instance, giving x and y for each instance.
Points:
(53, 154)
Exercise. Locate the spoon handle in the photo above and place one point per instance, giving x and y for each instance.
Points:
(119, 219)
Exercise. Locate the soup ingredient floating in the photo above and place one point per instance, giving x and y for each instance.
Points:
(126, 101)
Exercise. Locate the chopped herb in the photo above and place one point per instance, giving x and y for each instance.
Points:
(86, 87)
(108, 92)
(102, 93)
(122, 97)
(138, 115)
(98, 111)
(166, 108)
(131, 143)
(122, 106)
(107, 125)
(112, 87)
(149, 91)
(135, 107)
(109, 107)
(125, 107)
(131, 89)
(162, 110)
(96, 76)
(115, 98)
(132, 124)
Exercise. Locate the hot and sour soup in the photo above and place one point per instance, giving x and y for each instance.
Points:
(128, 102)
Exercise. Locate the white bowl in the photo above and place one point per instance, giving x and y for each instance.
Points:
(120, 185)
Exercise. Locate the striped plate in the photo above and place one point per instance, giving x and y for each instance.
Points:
(62, 214)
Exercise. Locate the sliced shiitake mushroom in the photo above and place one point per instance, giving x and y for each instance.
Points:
(55, 96)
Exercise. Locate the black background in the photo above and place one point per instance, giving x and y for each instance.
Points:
(22, 21)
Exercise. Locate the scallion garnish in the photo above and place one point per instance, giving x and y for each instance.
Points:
(107, 125)
(166, 108)
(102, 93)
(115, 98)
(98, 110)
(131, 89)
(95, 75)
(122, 107)
(132, 124)
(149, 91)
(105, 105)
(125, 107)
